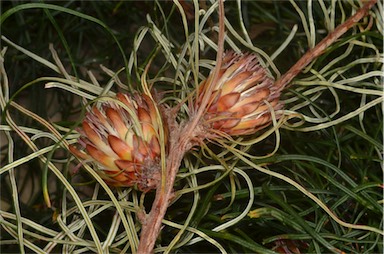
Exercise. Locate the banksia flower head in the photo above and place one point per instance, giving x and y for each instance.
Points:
(122, 138)
(238, 103)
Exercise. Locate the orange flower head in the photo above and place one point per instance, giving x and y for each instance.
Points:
(238, 103)
(122, 138)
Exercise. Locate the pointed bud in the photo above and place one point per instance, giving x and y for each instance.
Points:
(238, 103)
(123, 141)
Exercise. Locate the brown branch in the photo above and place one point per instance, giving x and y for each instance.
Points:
(219, 58)
(323, 45)
(181, 139)
(180, 143)
(152, 224)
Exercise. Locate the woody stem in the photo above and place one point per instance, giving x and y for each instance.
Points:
(152, 225)
(178, 147)
(320, 48)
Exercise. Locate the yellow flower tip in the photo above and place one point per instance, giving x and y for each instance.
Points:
(122, 149)
(234, 82)
(117, 121)
(123, 142)
(227, 101)
(254, 214)
(101, 157)
(241, 100)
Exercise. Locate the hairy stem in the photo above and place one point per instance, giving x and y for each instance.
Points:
(323, 45)
(181, 139)
(179, 145)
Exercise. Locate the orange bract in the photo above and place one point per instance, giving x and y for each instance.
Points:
(122, 138)
(238, 103)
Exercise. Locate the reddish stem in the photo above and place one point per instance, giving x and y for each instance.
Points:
(151, 227)
(323, 45)
(180, 141)
(179, 144)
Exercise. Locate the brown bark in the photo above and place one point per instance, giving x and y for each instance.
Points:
(152, 224)
(181, 140)
(319, 49)
(180, 143)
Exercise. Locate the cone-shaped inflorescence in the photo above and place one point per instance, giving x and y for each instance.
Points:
(121, 137)
(241, 100)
